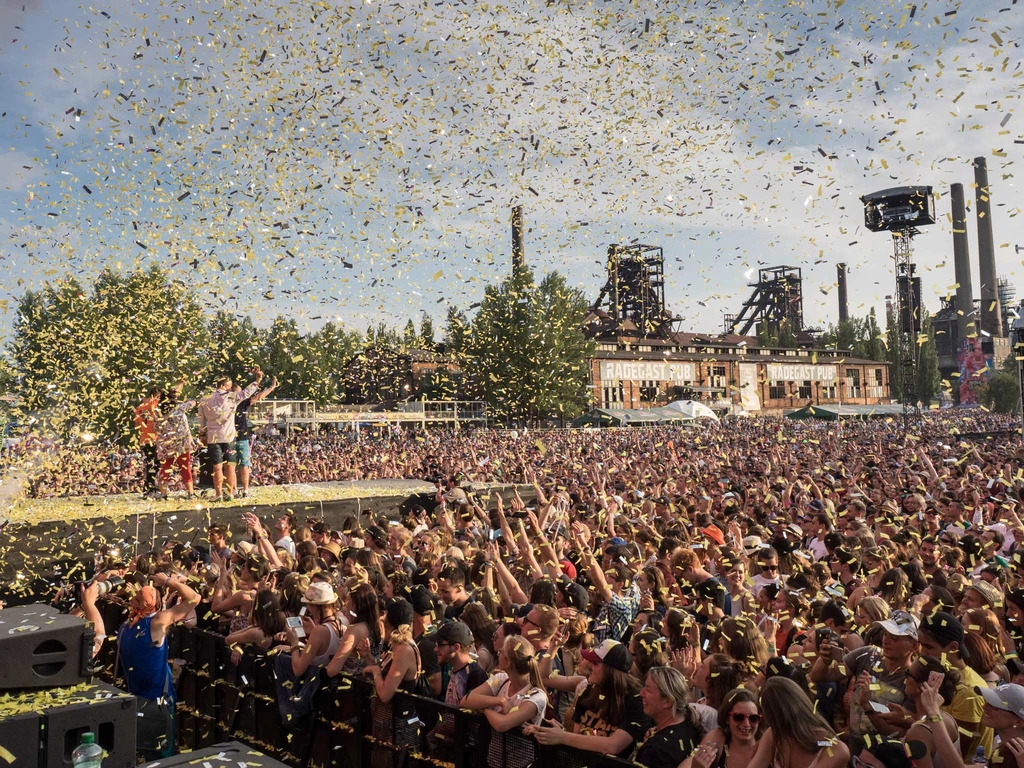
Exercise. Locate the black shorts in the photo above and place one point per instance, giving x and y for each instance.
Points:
(221, 452)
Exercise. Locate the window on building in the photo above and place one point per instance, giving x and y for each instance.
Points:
(614, 394)
(878, 377)
(648, 391)
(777, 390)
(853, 382)
(806, 391)
(828, 392)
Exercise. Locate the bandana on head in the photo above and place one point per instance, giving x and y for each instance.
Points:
(144, 602)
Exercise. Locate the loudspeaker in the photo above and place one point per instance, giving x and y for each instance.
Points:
(42, 648)
(231, 754)
(19, 735)
(108, 712)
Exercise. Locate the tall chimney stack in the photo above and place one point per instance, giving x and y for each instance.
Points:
(844, 307)
(965, 321)
(518, 227)
(991, 313)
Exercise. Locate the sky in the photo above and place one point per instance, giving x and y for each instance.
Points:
(358, 162)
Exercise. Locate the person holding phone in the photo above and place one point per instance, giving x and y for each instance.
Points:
(923, 730)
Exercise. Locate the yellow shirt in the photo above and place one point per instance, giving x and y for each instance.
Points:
(968, 707)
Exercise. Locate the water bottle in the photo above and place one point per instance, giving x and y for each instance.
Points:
(979, 757)
(88, 754)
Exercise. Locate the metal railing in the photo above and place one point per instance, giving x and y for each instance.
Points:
(219, 700)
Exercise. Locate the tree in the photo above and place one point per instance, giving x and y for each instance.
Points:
(84, 360)
(427, 332)
(325, 355)
(527, 348)
(410, 339)
(235, 345)
(928, 378)
(1001, 393)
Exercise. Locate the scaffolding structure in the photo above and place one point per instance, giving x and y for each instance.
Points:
(775, 305)
(634, 293)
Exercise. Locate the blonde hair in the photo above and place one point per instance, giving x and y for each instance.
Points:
(401, 635)
(671, 683)
(875, 607)
(522, 658)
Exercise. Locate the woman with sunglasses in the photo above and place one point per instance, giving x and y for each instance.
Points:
(797, 736)
(733, 743)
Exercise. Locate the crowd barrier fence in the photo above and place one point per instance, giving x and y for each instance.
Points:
(219, 700)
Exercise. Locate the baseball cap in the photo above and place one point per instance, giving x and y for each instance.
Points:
(456, 632)
(901, 624)
(613, 653)
(398, 611)
(944, 627)
(1009, 698)
(618, 541)
(574, 594)
(422, 601)
(817, 505)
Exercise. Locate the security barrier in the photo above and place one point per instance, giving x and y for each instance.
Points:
(219, 700)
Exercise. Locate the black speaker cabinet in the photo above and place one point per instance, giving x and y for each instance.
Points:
(231, 754)
(46, 737)
(42, 648)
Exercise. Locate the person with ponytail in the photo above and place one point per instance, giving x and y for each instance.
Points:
(398, 671)
(514, 695)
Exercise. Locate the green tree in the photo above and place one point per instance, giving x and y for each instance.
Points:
(326, 353)
(84, 360)
(410, 339)
(1001, 393)
(527, 348)
(282, 354)
(427, 332)
(235, 345)
(928, 378)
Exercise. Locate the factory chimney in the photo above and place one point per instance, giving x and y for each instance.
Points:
(518, 235)
(965, 322)
(844, 307)
(991, 315)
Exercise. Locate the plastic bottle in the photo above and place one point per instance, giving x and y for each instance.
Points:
(979, 757)
(88, 754)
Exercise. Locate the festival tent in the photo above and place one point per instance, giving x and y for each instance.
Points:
(693, 409)
(836, 412)
(631, 417)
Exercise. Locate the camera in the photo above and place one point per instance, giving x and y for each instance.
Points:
(102, 587)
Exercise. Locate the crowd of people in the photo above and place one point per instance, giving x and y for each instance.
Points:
(746, 594)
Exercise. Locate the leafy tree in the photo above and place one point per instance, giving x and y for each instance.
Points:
(410, 339)
(527, 348)
(1001, 393)
(325, 355)
(235, 345)
(427, 332)
(928, 378)
(85, 360)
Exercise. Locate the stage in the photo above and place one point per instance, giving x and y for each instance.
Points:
(41, 538)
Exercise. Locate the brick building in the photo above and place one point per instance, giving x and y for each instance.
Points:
(633, 372)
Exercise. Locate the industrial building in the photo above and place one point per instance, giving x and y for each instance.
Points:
(643, 361)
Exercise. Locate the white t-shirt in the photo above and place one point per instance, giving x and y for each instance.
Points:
(286, 543)
(496, 752)
(817, 548)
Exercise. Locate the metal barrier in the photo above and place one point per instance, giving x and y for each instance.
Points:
(218, 700)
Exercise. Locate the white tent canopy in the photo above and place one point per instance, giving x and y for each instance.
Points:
(692, 409)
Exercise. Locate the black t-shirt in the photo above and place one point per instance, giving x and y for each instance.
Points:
(634, 721)
(242, 424)
(454, 612)
(669, 746)
(427, 643)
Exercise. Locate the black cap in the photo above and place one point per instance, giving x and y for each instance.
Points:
(376, 533)
(575, 595)
(421, 600)
(945, 628)
(456, 632)
(398, 611)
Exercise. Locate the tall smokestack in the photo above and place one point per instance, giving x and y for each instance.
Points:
(965, 321)
(518, 228)
(844, 307)
(991, 314)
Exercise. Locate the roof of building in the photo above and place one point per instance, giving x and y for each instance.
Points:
(834, 412)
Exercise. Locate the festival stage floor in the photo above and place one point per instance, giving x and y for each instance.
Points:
(115, 507)
(40, 539)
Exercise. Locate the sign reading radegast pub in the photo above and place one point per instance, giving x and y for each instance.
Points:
(627, 370)
(797, 372)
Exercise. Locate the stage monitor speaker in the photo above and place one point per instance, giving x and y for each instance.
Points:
(42, 648)
(108, 712)
(230, 754)
(19, 735)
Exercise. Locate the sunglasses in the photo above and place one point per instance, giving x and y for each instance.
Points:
(739, 717)
(770, 567)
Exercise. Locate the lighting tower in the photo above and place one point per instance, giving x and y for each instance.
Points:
(900, 211)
